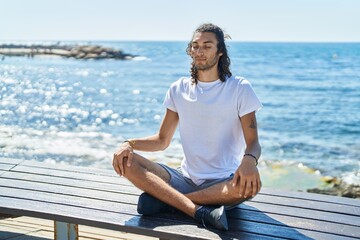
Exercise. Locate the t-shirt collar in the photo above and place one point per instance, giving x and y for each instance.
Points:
(208, 84)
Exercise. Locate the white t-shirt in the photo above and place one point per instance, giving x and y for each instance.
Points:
(209, 124)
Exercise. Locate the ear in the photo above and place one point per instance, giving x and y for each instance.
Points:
(220, 54)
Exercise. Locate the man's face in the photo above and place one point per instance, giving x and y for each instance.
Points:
(204, 50)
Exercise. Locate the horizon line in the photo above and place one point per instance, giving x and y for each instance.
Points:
(162, 40)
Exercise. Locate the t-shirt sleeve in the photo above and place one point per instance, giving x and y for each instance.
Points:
(247, 100)
(169, 101)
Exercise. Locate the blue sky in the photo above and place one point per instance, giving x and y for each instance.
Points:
(251, 20)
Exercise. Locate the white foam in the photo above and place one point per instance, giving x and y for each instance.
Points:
(105, 113)
(30, 91)
(136, 91)
(8, 80)
(140, 58)
(81, 147)
(352, 178)
(83, 73)
(107, 74)
(22, 109)
(130, 121)
(115, 116)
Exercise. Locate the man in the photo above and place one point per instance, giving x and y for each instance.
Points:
(216, 116)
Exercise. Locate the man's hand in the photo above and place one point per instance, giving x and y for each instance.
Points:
(247, 178)
(122, 156)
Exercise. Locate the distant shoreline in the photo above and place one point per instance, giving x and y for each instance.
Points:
(67, 51)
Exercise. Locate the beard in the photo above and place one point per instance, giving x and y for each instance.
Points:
(208, 65)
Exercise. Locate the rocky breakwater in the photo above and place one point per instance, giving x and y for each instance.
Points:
(68, 51)
(337, 187)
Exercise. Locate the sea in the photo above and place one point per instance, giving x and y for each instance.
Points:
(77, 112)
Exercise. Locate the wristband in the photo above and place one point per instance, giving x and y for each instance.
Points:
(131, 142)
(249, 154)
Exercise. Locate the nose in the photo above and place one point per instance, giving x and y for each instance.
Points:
(200, 51)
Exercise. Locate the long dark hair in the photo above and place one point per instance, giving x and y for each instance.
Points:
(224, 60)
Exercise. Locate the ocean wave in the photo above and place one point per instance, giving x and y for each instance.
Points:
(141, 58)
(82, 148)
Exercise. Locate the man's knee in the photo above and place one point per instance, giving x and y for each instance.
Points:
(131, 170)
(237, 196)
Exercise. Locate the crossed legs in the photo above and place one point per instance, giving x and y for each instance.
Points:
(153, 179)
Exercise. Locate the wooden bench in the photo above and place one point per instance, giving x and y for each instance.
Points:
(72, 195)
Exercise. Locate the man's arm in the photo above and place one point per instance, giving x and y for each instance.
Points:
(247, 175)
(159, 141)
(162, 139)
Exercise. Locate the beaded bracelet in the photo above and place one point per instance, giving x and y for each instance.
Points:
(249, 154)
(131, 142)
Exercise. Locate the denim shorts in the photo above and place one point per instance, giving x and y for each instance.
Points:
(185, 185)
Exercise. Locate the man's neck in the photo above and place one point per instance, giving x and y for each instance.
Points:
(209, 75)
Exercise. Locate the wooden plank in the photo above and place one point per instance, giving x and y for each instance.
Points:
(36, 235)
(6, 166)
(28, 222)
(91, 176)
(13, 161)
(8, 232)
(70, 168)
(113, 187)
(308, 204)
(11, 228)
(310, 196)
(303, 213)
(85, 232)
(251, 216)
(297, 222)
(82, 202)
(239, 216)
(14, 185)
(98, 233)
(14, 230)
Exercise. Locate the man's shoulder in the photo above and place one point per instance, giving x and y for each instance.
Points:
(181, 82)
(237, 80)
